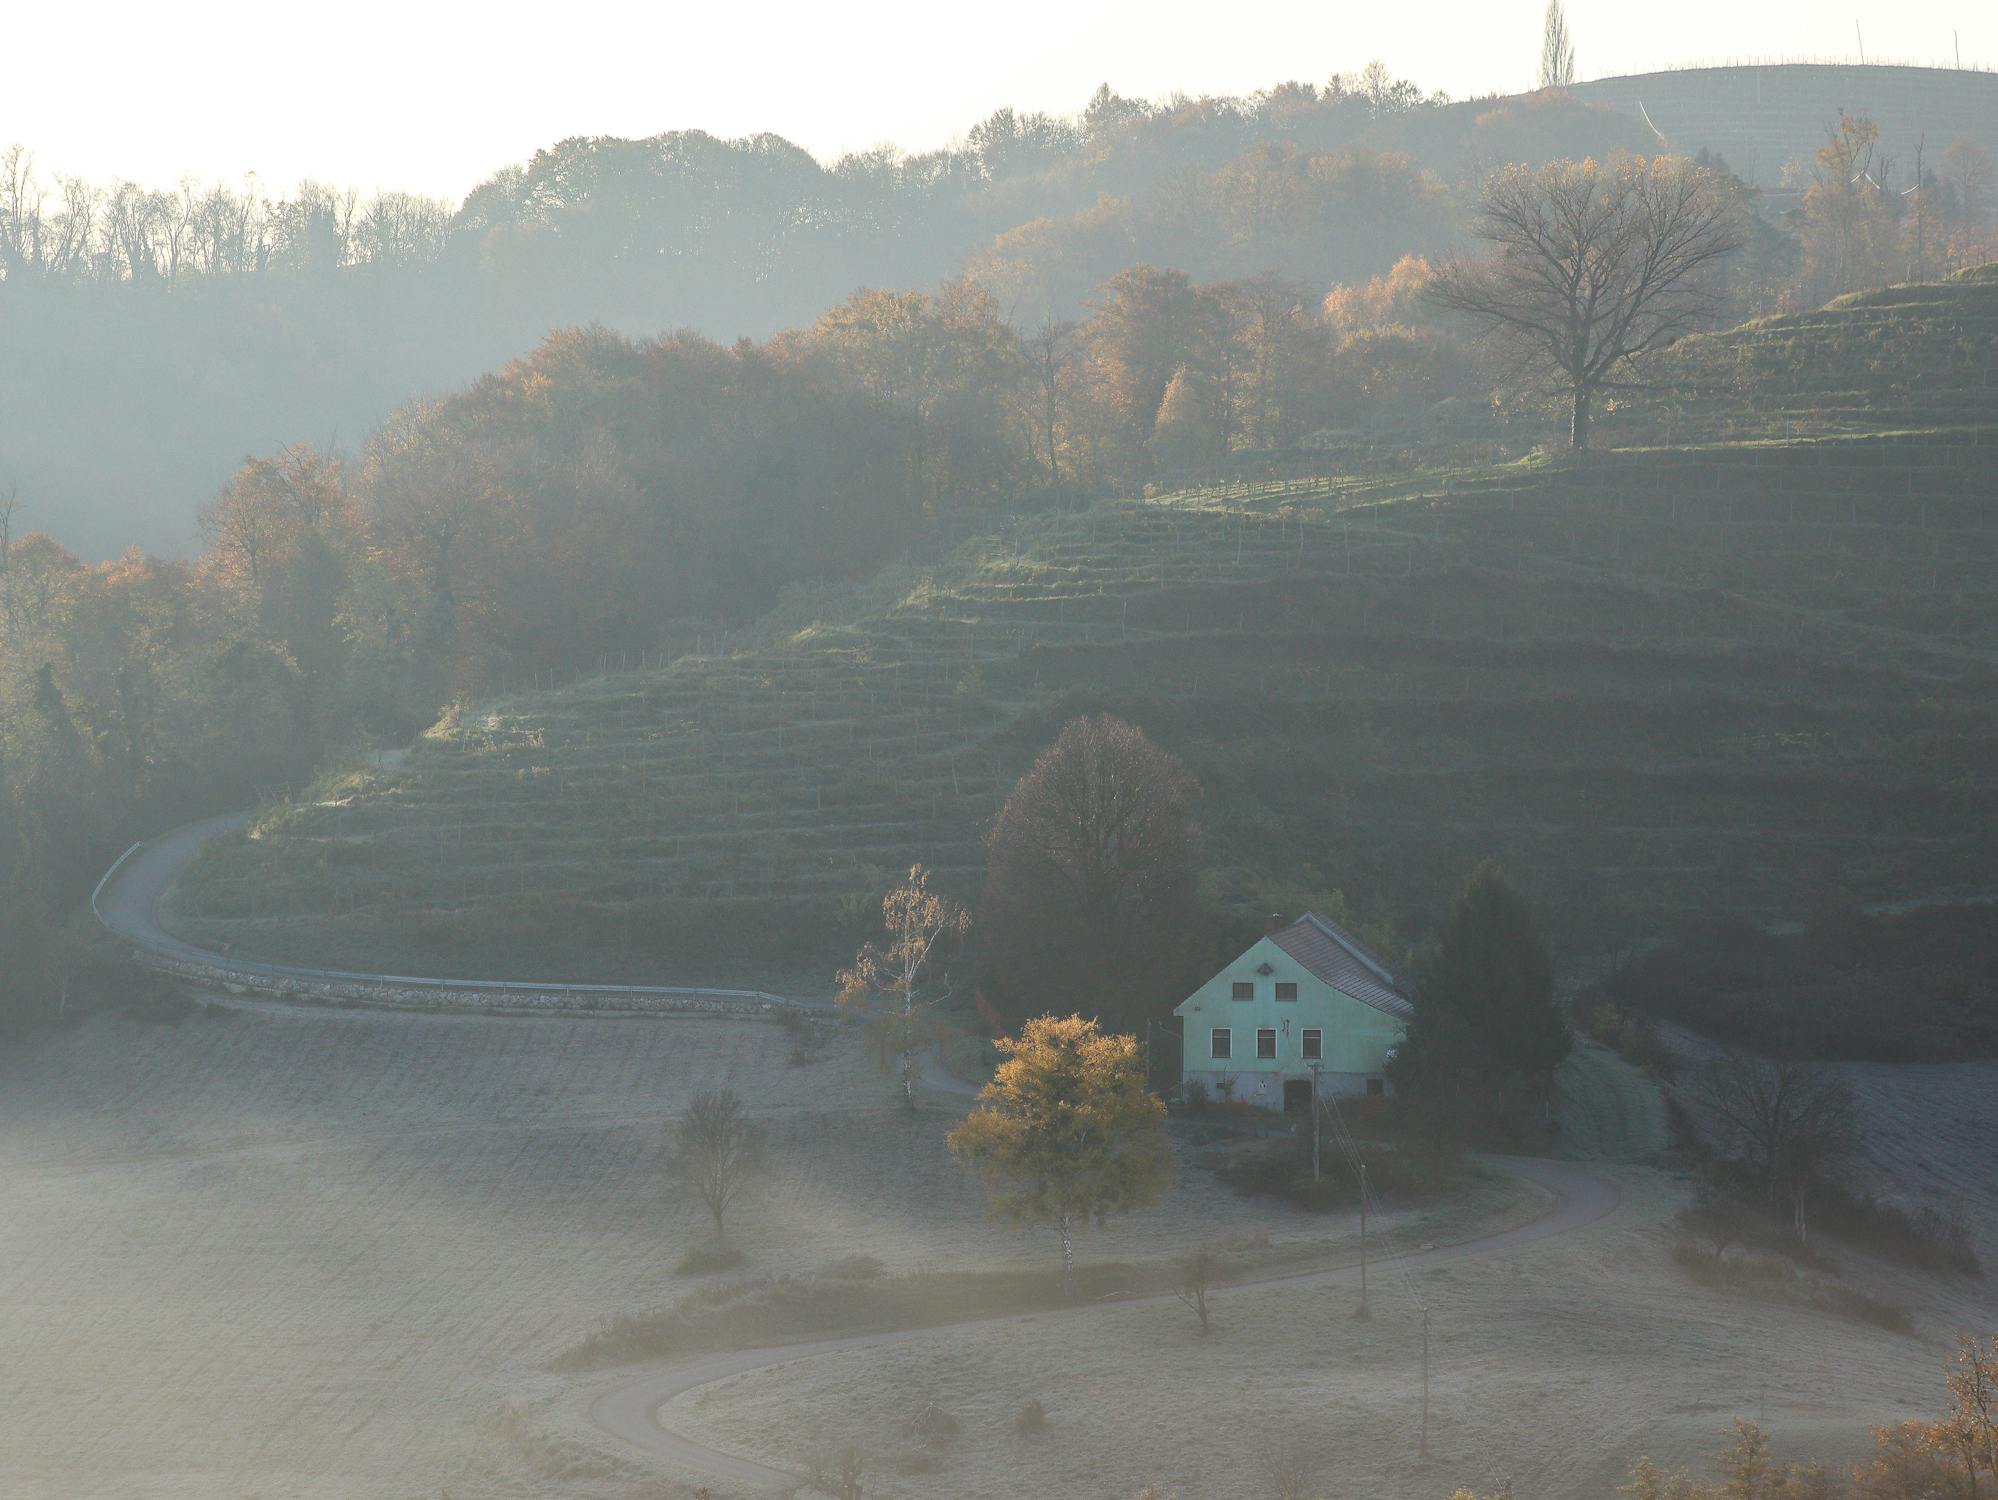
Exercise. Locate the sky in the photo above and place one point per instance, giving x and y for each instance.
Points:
(420, 96)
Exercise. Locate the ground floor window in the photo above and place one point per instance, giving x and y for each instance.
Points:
(1314, 1044)
(1266, 1042)
(1224, 1042)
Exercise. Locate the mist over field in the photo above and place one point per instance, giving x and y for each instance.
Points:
(1280, 794)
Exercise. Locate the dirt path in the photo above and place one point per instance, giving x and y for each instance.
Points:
(630, 1412)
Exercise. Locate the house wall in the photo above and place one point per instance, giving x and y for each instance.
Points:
(1357, 1037)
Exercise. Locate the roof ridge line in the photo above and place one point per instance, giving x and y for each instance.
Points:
(1352, 945)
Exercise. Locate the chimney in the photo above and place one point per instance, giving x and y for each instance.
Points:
(1272, 923)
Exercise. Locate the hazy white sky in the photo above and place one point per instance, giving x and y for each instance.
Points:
(431, 97)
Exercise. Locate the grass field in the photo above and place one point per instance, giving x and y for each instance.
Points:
(312, 1254)
(315, 1254)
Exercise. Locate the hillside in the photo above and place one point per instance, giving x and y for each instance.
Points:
(1918, 357)
(1748, 678)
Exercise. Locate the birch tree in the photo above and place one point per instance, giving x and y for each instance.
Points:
(894, 983)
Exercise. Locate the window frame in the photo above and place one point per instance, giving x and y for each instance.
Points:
(1287, 984)
(1271, 1033)
(1311, 1044)
(1215, 1036)
(1243, 990)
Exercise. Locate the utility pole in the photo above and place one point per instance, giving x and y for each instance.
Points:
(1425, 1380)
(1361, 1310)
(1317, 1116)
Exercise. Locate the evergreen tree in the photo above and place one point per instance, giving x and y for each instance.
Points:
(1485, 1012)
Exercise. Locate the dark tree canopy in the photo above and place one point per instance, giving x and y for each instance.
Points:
(1484, 1003)
(1090, 900)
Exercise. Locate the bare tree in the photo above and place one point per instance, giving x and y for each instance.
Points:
(1557, 49)
(1596, 265)
(1052, 357)
(1787, 1121)
(716, 1150)
(1196, 1280)
(1291, 1470)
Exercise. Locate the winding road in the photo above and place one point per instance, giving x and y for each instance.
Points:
(631, 1412)
(626, 1411)
(127, 902)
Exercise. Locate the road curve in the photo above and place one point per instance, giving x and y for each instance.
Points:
(127, 903)
(629, 1413)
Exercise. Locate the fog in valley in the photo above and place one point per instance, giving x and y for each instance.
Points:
(1221, 792)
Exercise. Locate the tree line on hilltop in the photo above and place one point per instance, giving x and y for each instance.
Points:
(156, 335)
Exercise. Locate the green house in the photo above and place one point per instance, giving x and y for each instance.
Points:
(1308, 1004)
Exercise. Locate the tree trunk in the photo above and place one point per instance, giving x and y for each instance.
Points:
(1578, 429)
(1067, 1232)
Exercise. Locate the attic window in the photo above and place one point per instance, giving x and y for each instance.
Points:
(1286, 990)
(1245, 989)
(1265, 970)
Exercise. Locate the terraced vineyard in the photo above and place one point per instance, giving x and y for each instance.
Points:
(1922, 356)
(1748, 678)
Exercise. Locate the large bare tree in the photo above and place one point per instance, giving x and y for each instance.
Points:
(1787, 1121)
(716, 1149)
(1595, 264)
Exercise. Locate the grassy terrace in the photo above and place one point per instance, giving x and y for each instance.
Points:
(1751, 677)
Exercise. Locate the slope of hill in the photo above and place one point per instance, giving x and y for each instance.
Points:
(1751, 678)
(1916, 357)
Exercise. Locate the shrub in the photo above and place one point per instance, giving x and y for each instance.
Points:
(932, 1426)
(1031, 1418)
(703, 1259)
(838, 1473)
(853, 1268)
(1924, 1236)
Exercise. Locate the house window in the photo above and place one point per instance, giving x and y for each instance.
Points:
(1266, 1042)
(1245, 989)
(1224, 1042)
(1314, 1044)
(1376, 1085)
(1286, 991)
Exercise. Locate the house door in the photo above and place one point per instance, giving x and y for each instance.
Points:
(1296, 1095)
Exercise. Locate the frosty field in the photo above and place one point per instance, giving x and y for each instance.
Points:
(308, 1253)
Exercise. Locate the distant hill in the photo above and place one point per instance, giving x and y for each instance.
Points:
(1745, 677)
(1762, 117)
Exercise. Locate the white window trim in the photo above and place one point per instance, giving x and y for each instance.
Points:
(1304, 1043)
(1221, 1031)
(1271, 1033)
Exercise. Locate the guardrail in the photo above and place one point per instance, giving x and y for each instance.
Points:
(408, 990)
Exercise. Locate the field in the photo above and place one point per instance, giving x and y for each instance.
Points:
(313, 1253)
(306, 1253)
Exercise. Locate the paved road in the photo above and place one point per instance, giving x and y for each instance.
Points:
(127, 902)
(630, 1414)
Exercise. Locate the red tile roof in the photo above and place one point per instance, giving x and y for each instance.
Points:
(1342, 961)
